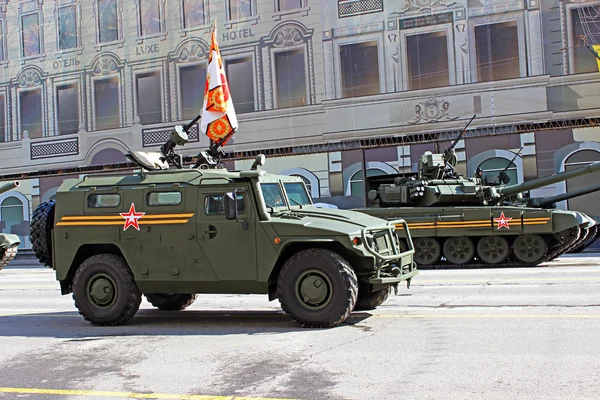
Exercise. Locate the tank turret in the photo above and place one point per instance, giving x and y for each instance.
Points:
(8, 242)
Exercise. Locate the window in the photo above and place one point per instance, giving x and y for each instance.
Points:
(585, 22)
(590, 203)
(149, 17)
(360, 69)
(103, 200)
(290, 78)
(357, 187)
(30, 111)
(284, 5)
(190, 79)
(164, 198)
(493, 166)
(497, 51)
(306, 183)
(2, 40)
(108, 21)
(107, 105)
(12, 212)
(297, 194)
(149, 98)
(30, 33)
(193, 13)
(3, 135)
(240, 9)
(67, 28)
(214, 205)
(427, 60)
(240, 75)
(272, 194)
(67, 109)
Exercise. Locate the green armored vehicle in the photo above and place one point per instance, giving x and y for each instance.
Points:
(461, 221)
(8, 242)
(172, 233)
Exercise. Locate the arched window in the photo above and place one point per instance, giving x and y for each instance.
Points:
(493, 166)
(306, 182)
(11, 211)
(357, 187)
(588, 203)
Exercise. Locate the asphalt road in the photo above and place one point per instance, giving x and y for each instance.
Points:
(527, 333)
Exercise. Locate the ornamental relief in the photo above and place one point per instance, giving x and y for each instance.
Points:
(105, 66)
(424, 5)
(432, 110)
(191, 52)
(30, 78)
(289, 36)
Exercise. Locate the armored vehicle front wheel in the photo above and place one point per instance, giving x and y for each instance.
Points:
(371, 300)
(318, 288)
(40, 231)
(529, 249)
(104, 290)
(170, 301)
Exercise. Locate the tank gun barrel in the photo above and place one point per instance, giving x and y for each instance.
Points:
(507, 191)
(543, 202)
(9, 186)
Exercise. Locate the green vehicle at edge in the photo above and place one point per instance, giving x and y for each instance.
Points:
(8, 242)
(173, 233)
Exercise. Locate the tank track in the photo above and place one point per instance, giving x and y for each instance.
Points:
(591, 238)
(557, 247)
(7, 255)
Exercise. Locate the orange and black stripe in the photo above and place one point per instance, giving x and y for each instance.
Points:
(472, 224)
(146, 219)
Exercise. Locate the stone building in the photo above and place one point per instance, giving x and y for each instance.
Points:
(321, 86)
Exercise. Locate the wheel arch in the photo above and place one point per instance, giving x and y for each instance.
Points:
(83, 253)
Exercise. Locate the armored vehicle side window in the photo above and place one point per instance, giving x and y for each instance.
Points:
(272, 194)
(213, 204)
(296, 193)
(164, 198)
(103, 200)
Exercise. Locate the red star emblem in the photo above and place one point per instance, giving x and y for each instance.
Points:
(502, 221)
(131, 218)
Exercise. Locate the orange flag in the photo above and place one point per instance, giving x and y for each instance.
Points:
(219, 121)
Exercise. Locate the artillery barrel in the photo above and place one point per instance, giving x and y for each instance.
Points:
(9, 186)
(569, 195)
(548, 180)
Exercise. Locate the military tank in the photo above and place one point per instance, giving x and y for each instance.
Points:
(460, 221)
(8, 242)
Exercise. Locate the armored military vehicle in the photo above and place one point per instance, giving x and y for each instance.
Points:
(8, 242)
(170, 232)
(461, 221)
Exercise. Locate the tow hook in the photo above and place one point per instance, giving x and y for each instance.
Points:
(395, 286)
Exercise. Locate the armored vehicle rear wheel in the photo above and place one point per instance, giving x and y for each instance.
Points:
(371, 300)
(459, 250)
(40, 232)
(529, 249)
(493, 249)
(318, 288)
(427, 251)
(170, 301)
(104, 290)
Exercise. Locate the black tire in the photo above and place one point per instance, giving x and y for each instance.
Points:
(334, 302)
(40, 232)
(170, 301)
(100, 273)
(371, 300)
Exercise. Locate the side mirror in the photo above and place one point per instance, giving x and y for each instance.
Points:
(230, 205)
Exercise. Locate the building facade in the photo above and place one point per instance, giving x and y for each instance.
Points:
(323, 86)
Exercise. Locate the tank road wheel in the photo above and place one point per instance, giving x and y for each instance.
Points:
(529, 249)
(40, 232)
(104, 290)
(170, 301)
(317, 288)
(459, 250)
(371, 300)
(493, 249)
(427, 251)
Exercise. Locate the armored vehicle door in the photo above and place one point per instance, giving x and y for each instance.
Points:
(230, 245)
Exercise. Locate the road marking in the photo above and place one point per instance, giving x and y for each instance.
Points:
(129, 395)
(538, 316)
(417, 281)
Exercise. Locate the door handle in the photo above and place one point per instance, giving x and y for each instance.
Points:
(211, 232)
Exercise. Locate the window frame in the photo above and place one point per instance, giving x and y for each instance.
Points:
(179, 91)
(3, 33)
(252, 18)
(149, 193)
(337, 60)
(274, 52)
(182, 25)
(497, 19)
(5, 135)
(93, 99)
(448, 29)
(40, 16)
(55, 87)
(162, 25)
(79, 46)
(90, 194)
(237, 56)
(221, 215)
(42, 90)
(571, 46)
(120, 38)
(161, 87)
